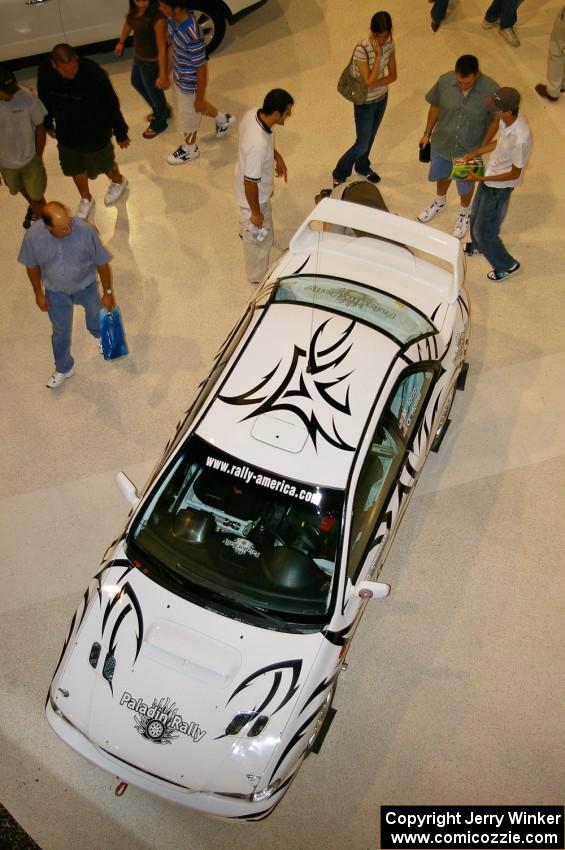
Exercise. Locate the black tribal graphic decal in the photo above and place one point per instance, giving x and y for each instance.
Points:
(295, 666)
(125, 592)
(300, 385)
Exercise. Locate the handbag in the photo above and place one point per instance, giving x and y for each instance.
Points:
(425, 153)
(351, 87)
(112, 334)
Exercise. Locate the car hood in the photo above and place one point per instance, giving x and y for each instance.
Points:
(155, 680)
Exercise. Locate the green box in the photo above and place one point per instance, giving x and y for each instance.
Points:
(461, 170)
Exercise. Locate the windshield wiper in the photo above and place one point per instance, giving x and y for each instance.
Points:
(246, 606)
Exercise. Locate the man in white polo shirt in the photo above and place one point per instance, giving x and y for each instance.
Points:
(257, 163)
(503, 173)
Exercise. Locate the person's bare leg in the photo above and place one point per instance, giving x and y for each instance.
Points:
(209, 110)
(81, 182)
(466, 199)
(443, 185)
(115, 175)
(37, 206)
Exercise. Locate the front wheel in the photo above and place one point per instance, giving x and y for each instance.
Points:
(444, 422)
(323, 722)
(210, 17)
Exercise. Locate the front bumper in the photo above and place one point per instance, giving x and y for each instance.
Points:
(208, 803)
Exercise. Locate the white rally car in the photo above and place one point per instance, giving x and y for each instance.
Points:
(202, 660)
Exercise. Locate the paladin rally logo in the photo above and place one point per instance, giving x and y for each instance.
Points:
(161, 722)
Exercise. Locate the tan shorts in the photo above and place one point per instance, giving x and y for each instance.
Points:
(31, 177)
(188, 119)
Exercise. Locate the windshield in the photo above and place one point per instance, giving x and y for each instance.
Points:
(224, 531)
(382, 311)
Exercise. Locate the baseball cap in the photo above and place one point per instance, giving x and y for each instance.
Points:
(8, 83)
(503, 100)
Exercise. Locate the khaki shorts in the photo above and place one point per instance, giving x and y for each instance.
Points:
(91, 163)
(188, 119)
(31, 177)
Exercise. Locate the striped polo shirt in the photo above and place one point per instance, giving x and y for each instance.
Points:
(366, 52)
(189, 52)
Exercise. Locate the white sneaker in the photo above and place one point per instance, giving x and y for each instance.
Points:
(84, 208)
(510, 35)
(115, 192)
(181, 155)
(461, 225)
(488, 25)
(57, 378)
(99, 346)
(222, 129)
(432, 209)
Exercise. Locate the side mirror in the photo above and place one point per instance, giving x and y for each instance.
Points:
(128, 489)
(368, 589)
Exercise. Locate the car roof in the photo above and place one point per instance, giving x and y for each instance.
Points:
(298, 396)
(303, 386)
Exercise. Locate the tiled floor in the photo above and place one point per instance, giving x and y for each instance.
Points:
(454, 692)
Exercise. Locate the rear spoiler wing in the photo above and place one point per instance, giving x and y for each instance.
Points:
(386, 226)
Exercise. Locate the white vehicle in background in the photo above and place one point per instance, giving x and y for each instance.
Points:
(32, 27)
(203, 658)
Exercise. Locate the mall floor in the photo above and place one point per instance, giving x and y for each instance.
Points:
(454, 691)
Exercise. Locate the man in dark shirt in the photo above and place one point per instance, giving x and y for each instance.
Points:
(83, 113)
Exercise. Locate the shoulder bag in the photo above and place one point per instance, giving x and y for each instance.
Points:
(351, 87)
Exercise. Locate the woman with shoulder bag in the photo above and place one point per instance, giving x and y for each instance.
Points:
(374, 62)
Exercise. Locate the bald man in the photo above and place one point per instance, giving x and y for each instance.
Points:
(62, 255)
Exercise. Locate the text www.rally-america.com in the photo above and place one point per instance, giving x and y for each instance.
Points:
(269, 482)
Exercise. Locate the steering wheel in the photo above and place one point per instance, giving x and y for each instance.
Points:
(305, 538)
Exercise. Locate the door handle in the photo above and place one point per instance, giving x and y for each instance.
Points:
(35, 2)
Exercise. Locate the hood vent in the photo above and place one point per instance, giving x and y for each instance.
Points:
(192, 653)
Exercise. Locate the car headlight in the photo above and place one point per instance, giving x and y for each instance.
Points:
(267, 792)
(255, 796)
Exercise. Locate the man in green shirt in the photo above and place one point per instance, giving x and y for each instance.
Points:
(458, 121)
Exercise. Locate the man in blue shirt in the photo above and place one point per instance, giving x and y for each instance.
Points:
(62, 255)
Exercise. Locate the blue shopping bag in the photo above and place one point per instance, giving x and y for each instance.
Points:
(112, 334)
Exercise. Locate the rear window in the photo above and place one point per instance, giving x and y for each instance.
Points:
(382, 311)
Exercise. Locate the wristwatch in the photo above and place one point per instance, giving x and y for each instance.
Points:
(108, 291)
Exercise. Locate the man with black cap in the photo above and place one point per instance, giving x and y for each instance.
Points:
(22, 141)
(503, 173)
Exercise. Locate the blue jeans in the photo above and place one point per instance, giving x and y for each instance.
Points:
(503, 11)
(487, 214)
(143, 77)
(368, 117)
(60, 309)
(439, 10)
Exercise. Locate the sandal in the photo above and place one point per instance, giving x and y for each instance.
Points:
(150, 133)
(151, 116)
